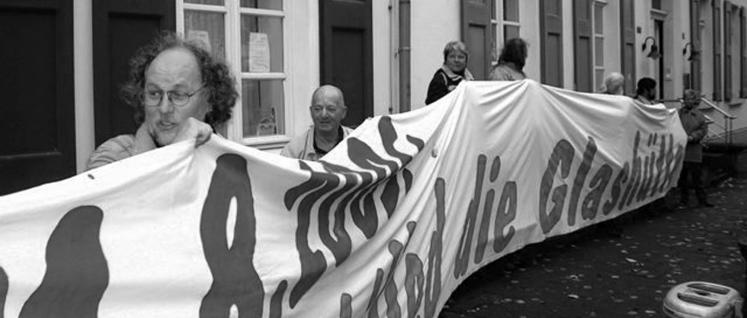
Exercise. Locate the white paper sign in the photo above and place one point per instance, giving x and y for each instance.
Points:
(259, 53)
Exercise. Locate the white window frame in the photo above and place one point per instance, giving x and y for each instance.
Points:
(232, 11)
(504, 23)
(598, 36)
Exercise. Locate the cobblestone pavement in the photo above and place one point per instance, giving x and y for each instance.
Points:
(596, 272)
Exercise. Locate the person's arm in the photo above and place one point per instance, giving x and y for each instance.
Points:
(112, 150)
(194, 129)
(437, 88)
(701, 131)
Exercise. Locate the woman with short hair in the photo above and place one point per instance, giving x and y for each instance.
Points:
(451, 73)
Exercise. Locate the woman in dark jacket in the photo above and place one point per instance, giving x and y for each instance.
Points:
(453, 71)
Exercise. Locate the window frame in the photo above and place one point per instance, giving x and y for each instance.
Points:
(508, 23)
(597, 36)
(232, 13)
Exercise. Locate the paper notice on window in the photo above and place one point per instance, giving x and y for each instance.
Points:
(200, 36)
(259, 53)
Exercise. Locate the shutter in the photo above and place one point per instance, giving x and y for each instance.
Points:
(582, 45)
(695, 42)
(551, 47)
(716, 50)
(477, 35)
(627, 37)
(743, 54)
(728, 31)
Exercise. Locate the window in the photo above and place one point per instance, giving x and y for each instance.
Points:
(656, 4)
(598, 17)
(510, 19)
(494, 34)
(249, 35)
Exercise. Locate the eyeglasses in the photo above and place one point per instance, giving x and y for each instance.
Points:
(318, 109)
(154, 97)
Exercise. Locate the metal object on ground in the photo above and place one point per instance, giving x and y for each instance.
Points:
(702, 300)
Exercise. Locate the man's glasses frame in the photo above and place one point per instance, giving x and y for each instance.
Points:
(153, 98)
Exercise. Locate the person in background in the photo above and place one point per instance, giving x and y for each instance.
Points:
(646, 91)
(327, 112)
(613, 84)
(179, 92)
(511, 62)
(453, 71)
(696, 127)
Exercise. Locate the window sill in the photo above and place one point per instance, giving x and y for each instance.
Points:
(266, 142)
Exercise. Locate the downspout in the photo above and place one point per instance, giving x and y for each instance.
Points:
(404, 56)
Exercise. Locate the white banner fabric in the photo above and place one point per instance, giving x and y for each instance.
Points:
(386, 225)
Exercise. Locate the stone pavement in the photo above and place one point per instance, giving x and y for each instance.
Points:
(596, 272)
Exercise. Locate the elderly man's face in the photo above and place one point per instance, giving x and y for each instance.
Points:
(176, 72)
(327, 112)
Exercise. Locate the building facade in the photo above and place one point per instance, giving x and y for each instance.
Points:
(65, 65)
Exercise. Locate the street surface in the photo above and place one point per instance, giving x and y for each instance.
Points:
(621, 268)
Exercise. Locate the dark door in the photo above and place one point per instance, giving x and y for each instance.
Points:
(717, 50)
(696, 47)
(477, 36)
(727, 50)
(347, 54)
(551, 25)
(119, 29)
(627, 39)
(582, 33)
(742, 54)
(37, 115)
(660, 62)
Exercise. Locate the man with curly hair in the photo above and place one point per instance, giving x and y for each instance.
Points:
(179, 92)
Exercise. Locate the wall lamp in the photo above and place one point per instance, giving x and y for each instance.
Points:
(654, 52)
(694, 54)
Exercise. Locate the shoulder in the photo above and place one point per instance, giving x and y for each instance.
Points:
(112, 150)
(439, 76)
(295, 147)
(500, 73)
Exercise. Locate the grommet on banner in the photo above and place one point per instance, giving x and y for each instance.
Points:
(434, 152)
(702, 299)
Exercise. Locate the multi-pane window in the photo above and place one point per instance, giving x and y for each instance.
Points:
(598, 16)
(510, 19)
(494, 34)
(249, 35)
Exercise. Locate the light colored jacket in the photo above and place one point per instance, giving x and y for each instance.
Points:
(696, 127)
(302, 146)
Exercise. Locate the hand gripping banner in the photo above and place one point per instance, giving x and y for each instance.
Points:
(386, 225)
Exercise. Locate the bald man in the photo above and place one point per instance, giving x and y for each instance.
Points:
(613, 84)
(327, 112)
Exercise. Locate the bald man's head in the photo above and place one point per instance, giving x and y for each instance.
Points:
(327, 108)
(328, 91)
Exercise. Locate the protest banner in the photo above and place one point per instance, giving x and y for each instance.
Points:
(386, 225)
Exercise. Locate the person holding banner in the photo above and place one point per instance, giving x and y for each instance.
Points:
(453, 71)
(511, 62)
(696, 127)
(613, 84)
(646, 91)
(179, 92)
(327, 112)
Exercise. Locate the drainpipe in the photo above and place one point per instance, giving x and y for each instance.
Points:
(404, 56)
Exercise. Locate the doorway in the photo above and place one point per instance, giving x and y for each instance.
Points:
(347, 54)
(38, 112)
